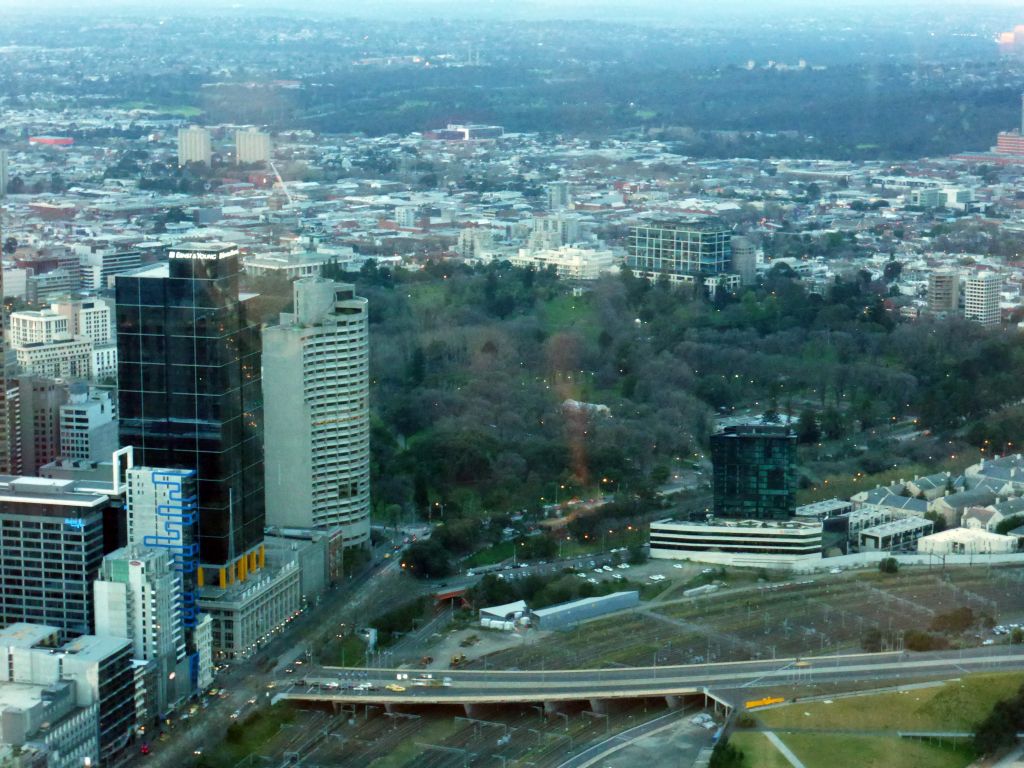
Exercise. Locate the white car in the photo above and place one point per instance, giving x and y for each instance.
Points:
(677, 565)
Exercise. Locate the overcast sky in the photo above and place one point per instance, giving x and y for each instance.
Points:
(985, 16)
(575, 8)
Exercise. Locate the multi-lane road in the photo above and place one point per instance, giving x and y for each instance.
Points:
(341, 685)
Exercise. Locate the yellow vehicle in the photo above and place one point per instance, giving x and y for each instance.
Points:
(767, 701)
(394, 688)
(458, 660)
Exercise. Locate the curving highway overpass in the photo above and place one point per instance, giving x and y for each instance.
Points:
(724, 683)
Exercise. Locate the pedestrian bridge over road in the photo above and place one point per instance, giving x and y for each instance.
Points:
(723, 685)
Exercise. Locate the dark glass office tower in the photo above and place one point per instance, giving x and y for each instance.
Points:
(190, 394)
(754, 472)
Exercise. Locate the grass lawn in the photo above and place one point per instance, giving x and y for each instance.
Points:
(348, 652)
(493, 554)
(248, 736)
(569, 313)
(434, 732)
(955, 706)
(818, 750)
(757, 751)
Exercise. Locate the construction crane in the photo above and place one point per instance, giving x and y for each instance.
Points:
(281, 181)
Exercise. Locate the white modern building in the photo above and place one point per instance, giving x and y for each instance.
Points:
(37, 327)
(88, 424)
(87, 317)
(138, 597)
(552, 232)
(103, 364)
(966, 541)
(160, 507)
(474, 242)
(559, 195)
(899, 535)
(289, 267)
(99, 667)
(99, 267)
(43, 725)
(71, 340)
(981, 299)
(252, 146)
(316, 412)
(744, 260)
(66, 357)
(194, 145)
(161, 512)
(569, 262)
(756, 543)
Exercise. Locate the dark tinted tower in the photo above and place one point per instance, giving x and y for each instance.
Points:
(754, 472)
(190, 394)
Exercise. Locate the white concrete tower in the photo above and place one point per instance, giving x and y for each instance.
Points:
(194, 145)
(316, 412)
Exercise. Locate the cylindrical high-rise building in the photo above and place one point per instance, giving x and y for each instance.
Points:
(316, 392)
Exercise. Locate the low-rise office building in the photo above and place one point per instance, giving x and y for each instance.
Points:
(570, 614)
(569, 262)
(99, 667)
(248, 615)
(44, 722)
(967, 541)
(898, 535)
(53, 535)
(821, 510)
(738, 542)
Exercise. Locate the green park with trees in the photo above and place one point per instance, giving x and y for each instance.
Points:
(478, 375)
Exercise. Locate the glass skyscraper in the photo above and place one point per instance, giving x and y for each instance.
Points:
(190, 394)
(688, 247)
(754, 472)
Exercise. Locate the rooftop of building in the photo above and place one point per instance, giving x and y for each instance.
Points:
(719, 522)
(24, 635)
(967, 534)
(157, 269)
(185, 250)
(94, 647)
(756, 430)
(700, 223)
(53, 491)
(242, 592)
(24, 695)
(902, 525)
(561, 607)
(891, 497)
(821, 507)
